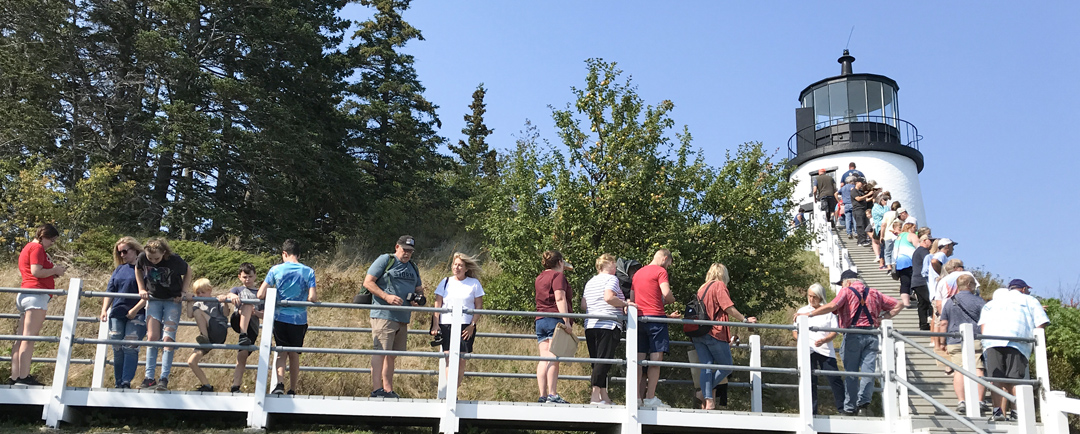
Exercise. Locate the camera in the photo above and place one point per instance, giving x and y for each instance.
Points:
(437, 340)
(419, 299)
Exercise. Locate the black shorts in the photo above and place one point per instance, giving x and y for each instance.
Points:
(289, 335)
(466, 344)
(218, 332)
(1005, 362)
(253, 326)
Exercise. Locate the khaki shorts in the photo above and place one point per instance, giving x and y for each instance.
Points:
(389, 335)
(954, 352)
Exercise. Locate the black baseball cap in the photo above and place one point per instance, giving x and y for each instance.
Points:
(847, 274)
(407, 242)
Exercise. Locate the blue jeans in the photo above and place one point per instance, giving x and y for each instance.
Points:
(126, 357)
(860, 355)
(849, 220)
(712, 351)
(888, 249)
(822, 363)
(167, 312)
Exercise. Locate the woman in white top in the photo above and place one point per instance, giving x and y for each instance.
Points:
(822, 356)
(602, 296)
(462, 289)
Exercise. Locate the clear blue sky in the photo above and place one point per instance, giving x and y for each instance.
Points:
(993, 87)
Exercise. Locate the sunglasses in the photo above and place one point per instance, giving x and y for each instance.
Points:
(122, 252)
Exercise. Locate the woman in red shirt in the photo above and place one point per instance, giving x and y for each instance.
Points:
(38, 272)
(714, 347)
(553, 294)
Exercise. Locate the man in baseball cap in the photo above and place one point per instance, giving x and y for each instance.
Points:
(1020, 285)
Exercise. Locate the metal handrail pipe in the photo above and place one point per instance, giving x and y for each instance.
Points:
(776, 348)
(665, 320)
(53, 360)
(102, 294)
(846, 373)
(937, 404)
(434, 355)
(34, 291)
(543, 314)
(925, 334)
(134, 343)
(851, 331)
(50, 317)
(766, 370)
(362, 306)
(1021, 381)
(955, 367)
(542, 359)
(29, 338)
(1006, 338)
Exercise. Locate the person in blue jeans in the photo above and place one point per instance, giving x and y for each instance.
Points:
(553, 295)
(125, 316)
(714, 348)
(822, 355)
(164, 280)
(845, 196)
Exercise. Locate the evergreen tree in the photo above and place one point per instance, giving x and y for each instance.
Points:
(477, 159)
(393, 135)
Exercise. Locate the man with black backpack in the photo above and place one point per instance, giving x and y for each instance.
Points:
(393, 280)
(860, 307)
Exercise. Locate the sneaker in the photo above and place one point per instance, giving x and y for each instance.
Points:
(148, 384)
(865, 411)
(984, 407)
(11, 381)
(234, 389)
(124, 385)
(961, 408)
(997, 416)
(205, 388)
(542, 400)
(377, 393)
(202, 340)
(291, 392)
(279, 389)
(245, 340)
(1011, 415)
(390, 394)
(654, 402)
(599, 403)
(556, 399)
(28, 380)
(162, 384)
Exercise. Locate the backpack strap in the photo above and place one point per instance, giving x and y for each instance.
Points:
(863, 309)
(708, 315)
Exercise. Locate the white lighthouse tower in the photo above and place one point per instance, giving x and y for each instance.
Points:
(854, 118)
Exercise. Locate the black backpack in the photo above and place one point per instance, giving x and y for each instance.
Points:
(695, 310)
(624, 271)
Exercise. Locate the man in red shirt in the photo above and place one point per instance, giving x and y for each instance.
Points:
(859, 307)
(651, 292)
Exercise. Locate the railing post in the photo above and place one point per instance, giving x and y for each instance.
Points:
(1042, 373)
(448, 424)
(806, 380)
(56, 410)
(1025, 408)
(901, 371)
(257, 414)
(632, 425)
(968, 359)
(1057, 421)
(755, 376)
(889, 386)
(99, 356)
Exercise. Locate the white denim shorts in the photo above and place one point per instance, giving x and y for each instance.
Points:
(27, 302)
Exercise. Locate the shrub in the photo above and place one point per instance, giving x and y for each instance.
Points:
(219, 264)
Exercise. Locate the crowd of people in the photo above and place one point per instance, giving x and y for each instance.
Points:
(163, 282)
(946, 296)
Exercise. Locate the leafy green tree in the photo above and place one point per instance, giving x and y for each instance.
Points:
(392, 130)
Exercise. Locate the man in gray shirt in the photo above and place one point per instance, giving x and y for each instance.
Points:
(391, 279)
(825, 191)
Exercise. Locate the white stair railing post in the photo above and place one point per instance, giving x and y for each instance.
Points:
(257, 415)
(889, 386)
(1042, 373)
(901, 371)
(632, 425)
(56, 409)
(755, 376)
(806, 380)
(449, 422)
(1025, 408)
(968, 359)
(99, 356)
(1057, 421)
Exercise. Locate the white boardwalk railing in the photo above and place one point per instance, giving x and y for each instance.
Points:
(61, 401)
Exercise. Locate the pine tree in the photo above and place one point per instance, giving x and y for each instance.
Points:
(477, 159)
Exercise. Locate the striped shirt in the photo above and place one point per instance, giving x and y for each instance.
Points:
(595, 304)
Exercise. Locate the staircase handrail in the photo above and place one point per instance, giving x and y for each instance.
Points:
(957, 368)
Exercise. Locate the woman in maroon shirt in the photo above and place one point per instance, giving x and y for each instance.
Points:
(553, 294)
(38, 272)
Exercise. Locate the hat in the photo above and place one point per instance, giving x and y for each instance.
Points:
(847, 274)
(946, 242)
(407, 242)
(901, 210)
(1018, 284)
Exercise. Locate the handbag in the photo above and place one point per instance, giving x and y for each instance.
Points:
(563, 342)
